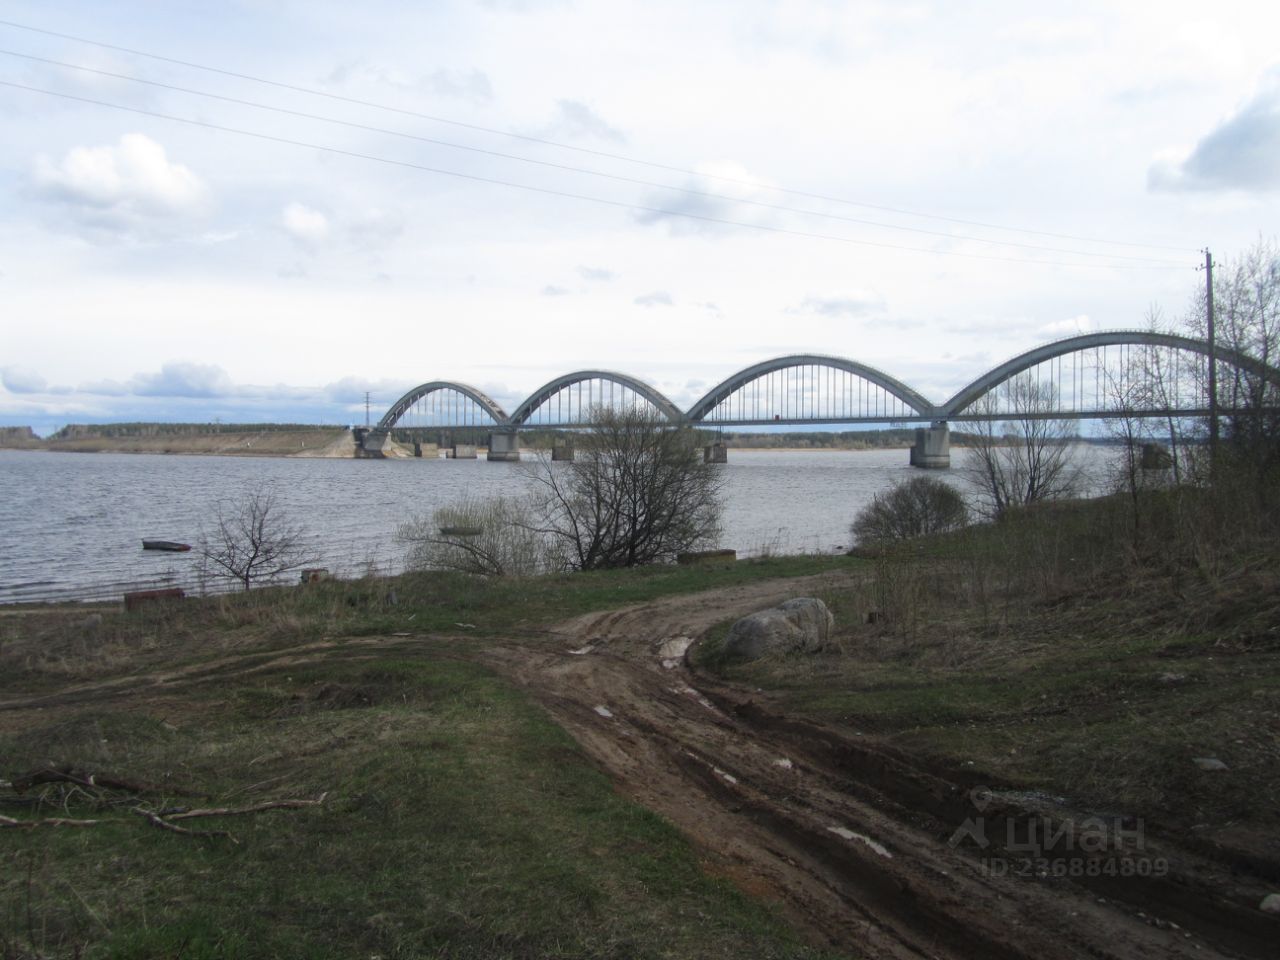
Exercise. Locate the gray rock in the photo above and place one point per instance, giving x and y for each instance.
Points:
(1270, 903)
(1209, 763)
(802, 624)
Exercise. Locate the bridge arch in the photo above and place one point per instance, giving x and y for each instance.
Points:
(891, 385)
(551, 388)
(1025, 361)
(482, 400)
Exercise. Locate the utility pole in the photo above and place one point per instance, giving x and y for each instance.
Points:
(1213, 357)
(366, 393)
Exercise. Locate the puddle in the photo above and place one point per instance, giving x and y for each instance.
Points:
(604, 711)
(845, 833)
(582, 651)
(728, 777)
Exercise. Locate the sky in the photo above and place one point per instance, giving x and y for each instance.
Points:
(498, 192)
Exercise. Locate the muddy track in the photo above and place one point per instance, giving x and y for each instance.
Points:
(848, 836)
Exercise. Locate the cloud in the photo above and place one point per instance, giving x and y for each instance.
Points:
(182, 379)
(374, 228)
(105, 388)
(596, 273)
(22, 380)
(1241, 153)
(470, 85)
(576, 119)
(553, 291)
(295, 271)
(307, 226)
(1069, 327)
(708, 201)
(658, 298)
(352, 390)
(848, 305)
(121, 188)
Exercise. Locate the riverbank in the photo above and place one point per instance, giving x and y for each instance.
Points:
(516, 767)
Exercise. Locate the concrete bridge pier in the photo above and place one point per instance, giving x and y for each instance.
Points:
(504, 446)
(562, 450)
(932, 449)
(715, 453)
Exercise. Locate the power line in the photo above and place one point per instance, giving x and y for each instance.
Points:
(578, 149)
(688, 191)
(548, 191)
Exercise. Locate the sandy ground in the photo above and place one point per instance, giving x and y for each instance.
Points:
(849, 837)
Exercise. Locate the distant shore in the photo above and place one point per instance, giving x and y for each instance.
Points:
(335, 442)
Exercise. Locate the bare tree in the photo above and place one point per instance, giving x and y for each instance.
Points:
(637, 492)
(1246, 294)
(912, 508)
(478, 536)
(1026, 456)
(252, 540)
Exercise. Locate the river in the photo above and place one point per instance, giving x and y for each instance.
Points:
(71, 525)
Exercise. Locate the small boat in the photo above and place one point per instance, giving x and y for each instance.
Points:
(172, 545)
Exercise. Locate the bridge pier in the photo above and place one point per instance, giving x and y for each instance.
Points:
(562, 450)
(504, 446)
(715, 453)
(932, 449)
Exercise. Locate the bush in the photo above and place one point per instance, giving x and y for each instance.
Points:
(638, 492)
(478, 536)
(913, 508)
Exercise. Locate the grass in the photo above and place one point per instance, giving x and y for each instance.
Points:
(1050, 656)
(460, 822)
(42, 649)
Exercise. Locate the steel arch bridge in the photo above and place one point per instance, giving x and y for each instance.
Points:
(1087, 374)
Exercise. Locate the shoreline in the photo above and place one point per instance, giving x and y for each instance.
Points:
(320, 453)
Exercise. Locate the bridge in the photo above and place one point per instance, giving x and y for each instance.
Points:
(1091, 376)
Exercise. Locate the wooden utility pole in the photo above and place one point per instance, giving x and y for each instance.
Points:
(1213, 356)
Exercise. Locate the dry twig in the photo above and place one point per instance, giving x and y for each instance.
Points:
(252, 808)
(47, 822)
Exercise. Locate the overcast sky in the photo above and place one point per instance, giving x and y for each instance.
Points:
(745, 154)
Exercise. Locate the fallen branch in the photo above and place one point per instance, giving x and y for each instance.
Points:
(157, 821)
(47, 822)
(81, 782)
(252, 808)
(82, 778)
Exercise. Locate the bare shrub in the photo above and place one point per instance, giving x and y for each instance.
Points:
(637, 492)
(912, 508)
(252, 540)
(491, 536)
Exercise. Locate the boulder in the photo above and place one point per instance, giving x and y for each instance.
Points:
(799, 625)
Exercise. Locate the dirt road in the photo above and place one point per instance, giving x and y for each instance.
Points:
(849, 837)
